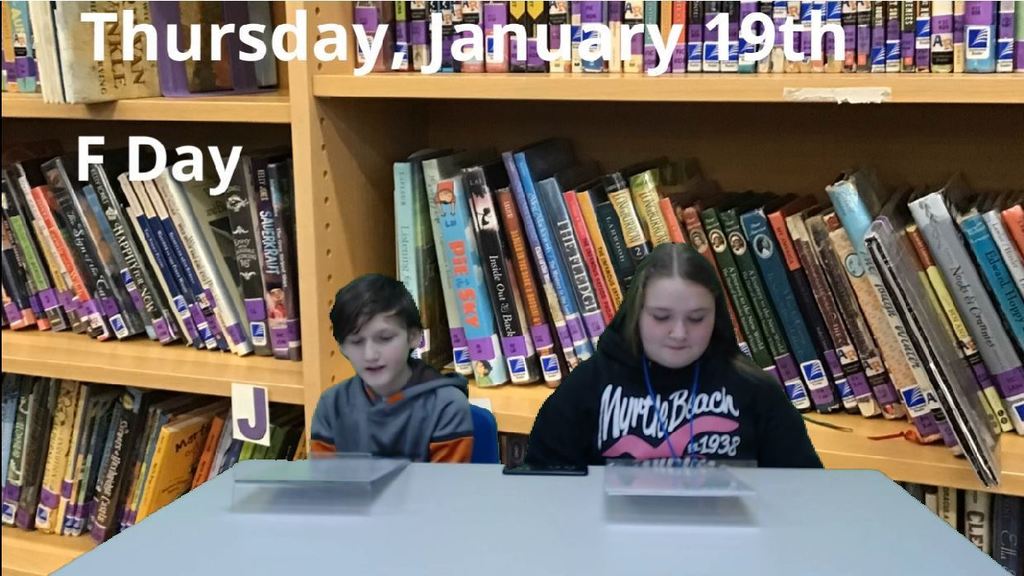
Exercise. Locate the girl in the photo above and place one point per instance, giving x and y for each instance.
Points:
(670, 345)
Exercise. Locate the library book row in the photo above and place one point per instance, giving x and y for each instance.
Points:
(48, 48)
(908, 310)
(81, 458)
(114, 259)
(992, 522)
(877, 37)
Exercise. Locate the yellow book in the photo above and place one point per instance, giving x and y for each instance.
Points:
(603, 258)
(178, 449)
(64, 414)
(644, 188)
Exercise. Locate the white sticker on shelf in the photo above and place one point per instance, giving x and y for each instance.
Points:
(250, 413)
(864, 95)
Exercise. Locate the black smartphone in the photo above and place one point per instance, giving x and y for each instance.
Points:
(529, 470)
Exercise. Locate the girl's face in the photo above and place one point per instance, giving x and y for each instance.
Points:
(676, 321)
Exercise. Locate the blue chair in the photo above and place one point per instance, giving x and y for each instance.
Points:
(485, 436)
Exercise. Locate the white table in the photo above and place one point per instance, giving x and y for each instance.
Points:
(470, 519)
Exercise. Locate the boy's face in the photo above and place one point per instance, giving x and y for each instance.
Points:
(379, 353)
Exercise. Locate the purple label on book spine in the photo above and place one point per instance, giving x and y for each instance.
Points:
(981, 375)
(33, 303)
(12, 312)
(109, 307)
(49, 499)
(514, 346)
(236, 334)
(787, 367)
(418, 32)
(576, 330)
(1010, 383)
(481, 349)
(958, 28)
(774, 373)
(823, 396)
(595, 324)
(49, 299)
(832, 361)
(458, 337)
(946, 431)
(859, 384)
(163, 333)
(563, 336)
(11, 493)
(1018, 60)
(541, 336)
(885, 392)
(292, 330)
(255, 310)
(65, 489)
(533, 59)
(925, 425)
(650, 58)
(943, 24)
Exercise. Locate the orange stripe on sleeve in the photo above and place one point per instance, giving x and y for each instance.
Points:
(455, 450)
(319, 446)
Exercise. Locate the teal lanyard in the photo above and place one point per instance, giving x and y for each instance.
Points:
(662, 425)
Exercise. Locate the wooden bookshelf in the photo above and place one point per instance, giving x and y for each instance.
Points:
(147, 364)
(28, 553)
(731, 88)
(515, 408)
(271, 108)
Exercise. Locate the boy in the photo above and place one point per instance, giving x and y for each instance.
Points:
(395, 405)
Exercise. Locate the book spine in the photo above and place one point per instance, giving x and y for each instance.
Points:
(988, 393)
(923, 37)
(402, 44)
(863, 36)
(155, 255)
(1005, 41)
(614, 11)
(808, 308)
(845, 351)
(893, 37)
(24, 47)
(102, 309)
(546, 285)
(134, 275)
(908, 24)
(36, 274)
(62, 284)
(877, 57)
(474, 303)
(545, 234)
(675, 232)
(471, 15)
(1006, 533)
(980, 37)
(419, 42)
(79, 438)
(496, 14)
(19, 307)
(538, 15)
(1013, 217)
(57, 456)
(1018, 40)
(516, 344)
(633, 19)
(942, 36)
(699, 240)
(996, 275)
(601, 249)
(279, 176)
(76, 301)
(558, 16)
(694, 36)
(943, 241)
(540, 330)
(978, 519)
(736, 292)
(679, 13)
(711, 60)
(180, 265)
(15, 478)
(436, 344)
(745, 49)
(644, 190)
(651, 15)
(1013, 259)
(265, 222)
(632, 231)
(788, 373)
(864, 345)
(589, 254)
(959, 52)
(764, 246)
(594, 13)
(37, 440)
(611, 230)
(247, 258)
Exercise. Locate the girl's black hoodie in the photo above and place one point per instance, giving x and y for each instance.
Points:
(602, 410)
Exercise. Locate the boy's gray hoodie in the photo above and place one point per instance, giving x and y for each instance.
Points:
(427, 421)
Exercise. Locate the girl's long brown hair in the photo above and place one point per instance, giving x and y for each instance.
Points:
(683, 262)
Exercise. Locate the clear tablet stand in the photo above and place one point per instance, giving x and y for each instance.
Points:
(704, 496)
(323, 484)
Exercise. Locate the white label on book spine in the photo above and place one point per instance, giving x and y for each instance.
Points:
(250, 413)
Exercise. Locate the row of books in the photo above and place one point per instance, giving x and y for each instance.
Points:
(82, 458)
(117, 259)
(878, 37)
(914, 308)
(992, 522)
(48, 48)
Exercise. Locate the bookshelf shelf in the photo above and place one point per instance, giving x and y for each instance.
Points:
(908, 88)
(515, 408)
(272, 108)
(147, 364)
(35, 554)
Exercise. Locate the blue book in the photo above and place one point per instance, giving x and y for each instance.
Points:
(535, 164)
(473, 300)
(10, 411)
(993, 269)
(766, 252)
